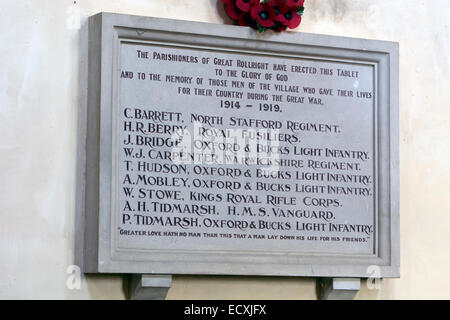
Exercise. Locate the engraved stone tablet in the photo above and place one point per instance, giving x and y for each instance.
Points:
(216, 150)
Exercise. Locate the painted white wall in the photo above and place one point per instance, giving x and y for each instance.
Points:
(43, 52)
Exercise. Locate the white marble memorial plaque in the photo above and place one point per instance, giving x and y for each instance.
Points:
(240, 154)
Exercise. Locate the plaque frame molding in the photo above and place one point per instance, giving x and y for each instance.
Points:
(107, 30)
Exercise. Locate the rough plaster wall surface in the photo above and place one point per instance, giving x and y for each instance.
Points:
(43, 45)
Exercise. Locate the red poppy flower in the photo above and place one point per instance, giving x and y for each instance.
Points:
(245, 5)
(293, 19)
(294, 3)
(226, 1)
(276, 10)
(232, 11)
(279, 27)
(261, 12)
(289, 17)
(246, 20)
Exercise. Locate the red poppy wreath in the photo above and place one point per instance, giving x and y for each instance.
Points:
(276, 15)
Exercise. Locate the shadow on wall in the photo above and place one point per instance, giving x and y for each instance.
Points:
(98, 286)
(221, 11)
(201, 287)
